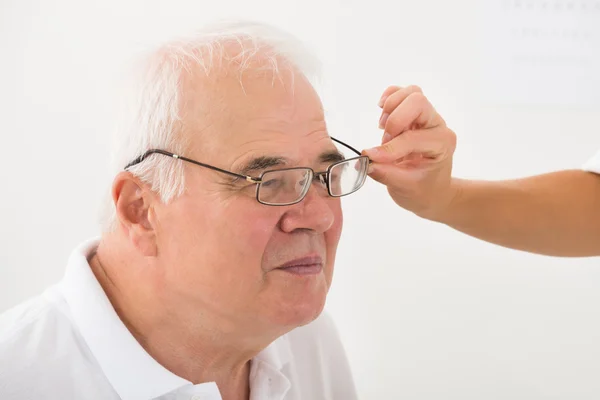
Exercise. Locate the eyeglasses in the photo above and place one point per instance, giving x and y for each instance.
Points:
(283, 187)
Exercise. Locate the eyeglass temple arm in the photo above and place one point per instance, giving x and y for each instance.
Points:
(245, 177)
(348, 146)
(178, 157)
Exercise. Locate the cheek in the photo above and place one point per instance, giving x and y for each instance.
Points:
(332, 238)
(223, 225)
(242, 232)
(215, 247)
(333, 234)
(252, 233)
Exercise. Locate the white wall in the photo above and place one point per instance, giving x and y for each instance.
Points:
(425, 312)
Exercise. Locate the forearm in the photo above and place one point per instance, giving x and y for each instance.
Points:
(554, 214)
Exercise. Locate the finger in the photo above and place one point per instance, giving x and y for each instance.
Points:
(398, 96)
(386, 138)
(415, 112)
(431, 143)
(386, 93)
(394, 100)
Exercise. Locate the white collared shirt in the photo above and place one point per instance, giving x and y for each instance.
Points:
(69, 343)
(593, 165)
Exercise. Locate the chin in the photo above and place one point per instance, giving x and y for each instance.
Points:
(294, 300)
(301, 312)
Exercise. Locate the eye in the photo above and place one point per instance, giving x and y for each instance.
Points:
(272, 183)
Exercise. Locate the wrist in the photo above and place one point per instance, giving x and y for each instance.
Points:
(448, 205)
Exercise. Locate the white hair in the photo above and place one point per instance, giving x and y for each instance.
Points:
(152, 111)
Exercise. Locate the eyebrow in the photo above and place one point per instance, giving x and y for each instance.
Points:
(331, 156)
(264, 162)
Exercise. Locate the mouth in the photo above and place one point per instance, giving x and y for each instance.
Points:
(303, 266)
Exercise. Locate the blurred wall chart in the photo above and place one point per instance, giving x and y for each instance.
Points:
(541, 52)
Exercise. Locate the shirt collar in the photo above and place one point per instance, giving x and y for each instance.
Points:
(267, 380)
(132, 372)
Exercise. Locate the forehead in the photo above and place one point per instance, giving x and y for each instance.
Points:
(258, 114)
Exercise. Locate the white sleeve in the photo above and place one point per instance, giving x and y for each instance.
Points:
(593, 165)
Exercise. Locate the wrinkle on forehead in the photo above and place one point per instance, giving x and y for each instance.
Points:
(225, 109)
(219, 115)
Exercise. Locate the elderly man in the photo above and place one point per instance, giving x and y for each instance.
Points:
(211, 274)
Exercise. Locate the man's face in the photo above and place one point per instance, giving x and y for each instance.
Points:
(222, 250)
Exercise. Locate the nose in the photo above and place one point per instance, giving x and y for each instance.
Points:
(316, 212)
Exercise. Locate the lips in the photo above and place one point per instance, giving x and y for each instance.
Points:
(303, 266)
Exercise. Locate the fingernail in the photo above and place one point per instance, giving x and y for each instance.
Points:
(382, 101)
(383, 120)
(386, 138)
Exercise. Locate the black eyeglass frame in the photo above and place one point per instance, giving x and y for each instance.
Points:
(257, 181)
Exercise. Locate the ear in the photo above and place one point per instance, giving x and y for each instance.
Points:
(134, 210)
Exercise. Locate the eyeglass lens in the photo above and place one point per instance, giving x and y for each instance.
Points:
(291, 185)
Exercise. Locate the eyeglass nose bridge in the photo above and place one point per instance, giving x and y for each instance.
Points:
(322, 176)
(312, 176)
(323, 180)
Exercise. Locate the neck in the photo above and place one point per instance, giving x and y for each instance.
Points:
(197, 351)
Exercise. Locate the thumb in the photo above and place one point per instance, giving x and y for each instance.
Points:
(393, 176)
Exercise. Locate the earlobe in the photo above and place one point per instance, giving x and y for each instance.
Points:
(133, 204)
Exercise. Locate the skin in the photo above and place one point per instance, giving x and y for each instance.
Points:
(197, 281)
(553, 214)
